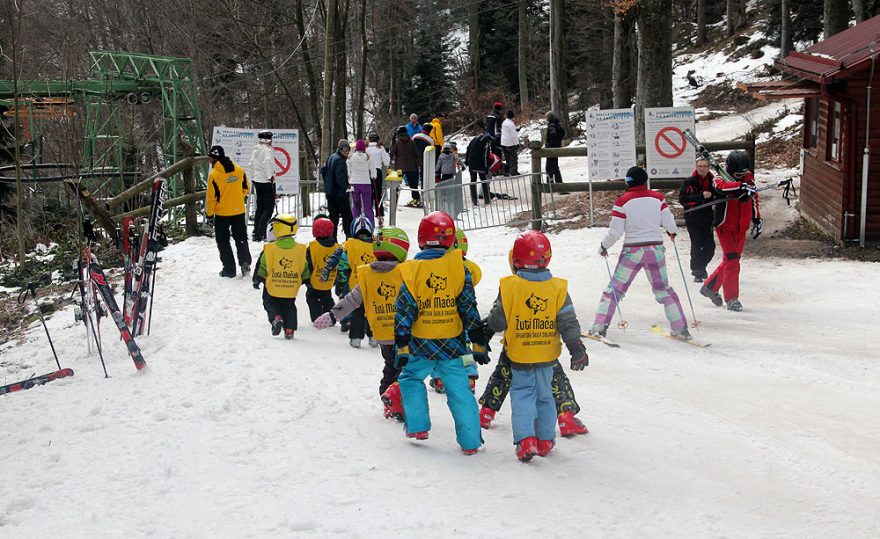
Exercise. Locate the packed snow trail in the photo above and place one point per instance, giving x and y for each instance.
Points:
(230, 432)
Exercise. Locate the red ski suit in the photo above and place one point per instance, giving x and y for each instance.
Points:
(732, 220)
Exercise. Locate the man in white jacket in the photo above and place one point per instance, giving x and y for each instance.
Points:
(510, 144)
(263, 170)
(380, 160)
(640, 215)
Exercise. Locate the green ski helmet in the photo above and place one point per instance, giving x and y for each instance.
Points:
(461, 241)
(391, 243)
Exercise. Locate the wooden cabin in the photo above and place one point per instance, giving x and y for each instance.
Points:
(833, 78)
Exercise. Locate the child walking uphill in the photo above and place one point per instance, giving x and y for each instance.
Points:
(356, 251)
(376, 292)
(435, 306)
(640, 215)
(361, 172)
(282, 269)
(535, 312)
(318, 295)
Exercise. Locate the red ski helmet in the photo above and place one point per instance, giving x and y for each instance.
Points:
(531, 250)
(437, 229)
(322, 228)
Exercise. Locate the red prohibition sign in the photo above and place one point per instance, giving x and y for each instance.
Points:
(670, 136)
(285, 167)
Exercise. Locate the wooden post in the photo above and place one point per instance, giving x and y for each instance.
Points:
(750, 150)
(537, 206)
(190, 213)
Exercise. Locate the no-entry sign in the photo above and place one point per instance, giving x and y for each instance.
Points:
(668, 152)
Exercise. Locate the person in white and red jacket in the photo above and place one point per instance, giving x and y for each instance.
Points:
(732, 220)
(640, 215)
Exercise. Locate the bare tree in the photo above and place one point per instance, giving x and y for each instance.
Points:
(361, 72)
(474, 41)
(701, 23)
(654, 82)
(736, 15)
(558, 87)
(621, 83)
(785, 44)
(14, 12)
(859, 10)
(523, 45)
(326, 119)
(836, 17)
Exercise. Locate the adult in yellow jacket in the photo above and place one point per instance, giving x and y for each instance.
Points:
(225, 206)
(437, 134)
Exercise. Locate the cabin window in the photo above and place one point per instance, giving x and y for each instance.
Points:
(811, 139)
(834, 131)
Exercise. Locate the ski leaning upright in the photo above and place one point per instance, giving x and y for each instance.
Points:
(146, 264)
(96, 275)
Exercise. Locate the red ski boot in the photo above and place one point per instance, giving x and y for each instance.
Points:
(469, 452)
(487, 415)
(545, 447)
(569, 425)
(527, 448)
(418, 435)
(288, 334)
(393, 404)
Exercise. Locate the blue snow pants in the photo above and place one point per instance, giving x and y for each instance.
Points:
(532, 405)
(459, 398)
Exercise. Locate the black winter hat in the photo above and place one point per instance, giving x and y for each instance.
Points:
(636, 176)
(217, 152)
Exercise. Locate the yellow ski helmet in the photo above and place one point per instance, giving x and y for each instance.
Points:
(284, 224)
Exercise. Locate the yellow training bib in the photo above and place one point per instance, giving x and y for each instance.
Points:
(531, 307)
(319, 255)
(476, 272)
(359, 253)
(435, 284)
(284, 269)
(379, 291)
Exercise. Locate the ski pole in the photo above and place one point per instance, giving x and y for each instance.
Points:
(152, 296)
(31, 287)
(623, 323)
(687, 290)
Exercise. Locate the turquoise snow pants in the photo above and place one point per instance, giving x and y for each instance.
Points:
(459, 399)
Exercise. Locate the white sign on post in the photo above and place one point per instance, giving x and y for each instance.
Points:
(239, 143)
(668, 153)
(611, 143)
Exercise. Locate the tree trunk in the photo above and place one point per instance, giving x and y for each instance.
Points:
(836, 17)
(620, 67)
(310, 70)
(362, 75)
(340, 128)
(523, 46)
(859, 10)
(654, 82)
(736, 15)
(558, 90)
(330, 37)
(474, 41)
(785, 44)
(15, 33)
(701, 23)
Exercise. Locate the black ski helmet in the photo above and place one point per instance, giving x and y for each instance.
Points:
(636, 176)
(265, 135)
(373, 136)
(737, 162)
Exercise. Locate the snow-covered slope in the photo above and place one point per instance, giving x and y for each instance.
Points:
(231, 432)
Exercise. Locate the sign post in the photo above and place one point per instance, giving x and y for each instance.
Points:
(611, 145)
(667, 150)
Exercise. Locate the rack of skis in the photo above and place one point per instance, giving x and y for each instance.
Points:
(97, 300)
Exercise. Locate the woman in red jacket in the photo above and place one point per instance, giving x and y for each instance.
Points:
(732, 220)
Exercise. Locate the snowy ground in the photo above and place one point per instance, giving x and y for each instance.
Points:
(230, 432)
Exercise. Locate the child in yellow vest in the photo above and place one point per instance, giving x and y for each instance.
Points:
(282, 269)
(461, 242)
(535, 312)
(318, 295)
(436, 316)
(376, 292)
(356, 251)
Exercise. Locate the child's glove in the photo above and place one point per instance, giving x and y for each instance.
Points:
(324, 276)
(757, 227)
(326, 320)
(480, 354)
(402, 356)
(256, 285)
(579, 357)
(746, 192)
(602, 250)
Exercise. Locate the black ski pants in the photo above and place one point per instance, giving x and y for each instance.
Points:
(359, 325)
(265, 208)
(389, 372)
(702, 245)
(283, 307)
(378, 182)
(340, 208)
(485, 187)
(319, 302)
(498, 387)
(552, 169)
(236, 225)
(511, 159)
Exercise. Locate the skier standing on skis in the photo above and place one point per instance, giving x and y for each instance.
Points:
(225, 207)
(732, 219)
(535, 312)
(436, 306)
(376, 293)
(282, 269)
(696, 190)
(318, 295)
(640, 215)
(263, 166)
